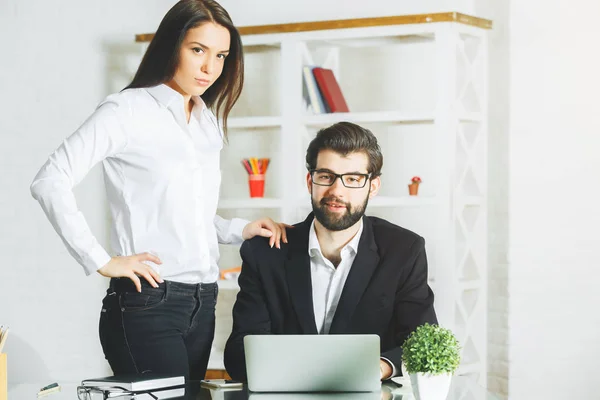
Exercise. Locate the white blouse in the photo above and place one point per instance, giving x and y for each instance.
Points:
(162, 178)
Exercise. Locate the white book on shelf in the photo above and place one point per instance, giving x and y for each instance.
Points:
(312, 90)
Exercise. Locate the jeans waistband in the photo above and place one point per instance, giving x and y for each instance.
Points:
(186, 289)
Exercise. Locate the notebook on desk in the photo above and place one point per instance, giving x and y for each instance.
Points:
(136, 382)
(312, 363)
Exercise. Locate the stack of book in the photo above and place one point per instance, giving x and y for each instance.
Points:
(322, 91)
(144, 386)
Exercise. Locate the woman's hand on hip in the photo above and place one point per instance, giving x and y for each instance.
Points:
(132, 266)
(266, 227)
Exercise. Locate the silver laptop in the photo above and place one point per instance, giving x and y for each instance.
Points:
(316, 396)
(312, 363)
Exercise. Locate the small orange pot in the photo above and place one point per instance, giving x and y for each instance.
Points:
(413, 189)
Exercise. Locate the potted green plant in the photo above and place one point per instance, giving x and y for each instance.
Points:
(431, 355)
(413, 187)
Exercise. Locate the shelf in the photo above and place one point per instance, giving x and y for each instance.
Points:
(402, 201)
(470, 368)
(470, 117)
(431, 121)
(353, 23)
(250, 203)
(215, 362)
(388, 201)
(379, 201)
(473, 284)
(253, 122)
(469, 200)
(379, 41)
(228, 284)
(356, 117)
(366, 117)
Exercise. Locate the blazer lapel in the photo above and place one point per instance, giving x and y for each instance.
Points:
(299, 276)
(365, 263)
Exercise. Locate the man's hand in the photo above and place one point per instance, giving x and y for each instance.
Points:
(266, 227)
(132, 266)
(385, 370)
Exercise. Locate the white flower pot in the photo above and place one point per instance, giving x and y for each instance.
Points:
(430, 387)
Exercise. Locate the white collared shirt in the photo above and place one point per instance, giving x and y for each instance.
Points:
(327, 280)
(162, 178)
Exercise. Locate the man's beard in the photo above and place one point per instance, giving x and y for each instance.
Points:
(334, 221)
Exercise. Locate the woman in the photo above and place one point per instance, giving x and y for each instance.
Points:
(159, 144)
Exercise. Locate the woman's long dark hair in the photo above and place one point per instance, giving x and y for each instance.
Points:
(162, 56)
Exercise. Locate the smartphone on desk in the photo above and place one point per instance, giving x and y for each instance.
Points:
(221, 384)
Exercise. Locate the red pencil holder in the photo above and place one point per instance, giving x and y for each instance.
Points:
(257, 185)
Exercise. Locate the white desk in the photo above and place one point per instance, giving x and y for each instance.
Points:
(461, 386)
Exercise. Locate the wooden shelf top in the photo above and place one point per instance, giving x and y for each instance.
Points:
(354, 23)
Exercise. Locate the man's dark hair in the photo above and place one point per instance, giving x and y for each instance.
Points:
(345, 138)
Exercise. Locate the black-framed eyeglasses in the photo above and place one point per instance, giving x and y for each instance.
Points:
(327, 178)
(104, 393)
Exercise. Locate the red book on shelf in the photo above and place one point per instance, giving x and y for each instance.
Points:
(330, 90)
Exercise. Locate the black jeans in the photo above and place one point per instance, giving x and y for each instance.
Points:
(168, 329)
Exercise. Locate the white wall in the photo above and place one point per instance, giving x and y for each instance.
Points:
(259, 12)
(58, 60)
(554, 200)
(498, 130)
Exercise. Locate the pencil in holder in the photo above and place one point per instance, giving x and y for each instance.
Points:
(256, 169)
(257, 185)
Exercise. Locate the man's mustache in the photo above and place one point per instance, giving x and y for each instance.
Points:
(333, 200)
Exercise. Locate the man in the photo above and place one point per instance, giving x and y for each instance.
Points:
(340, 272)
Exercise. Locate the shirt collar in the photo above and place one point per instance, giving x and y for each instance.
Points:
(314, 247)
(168, 96)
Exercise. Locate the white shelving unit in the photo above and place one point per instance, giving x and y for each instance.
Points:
(254, 122)
(420, 84)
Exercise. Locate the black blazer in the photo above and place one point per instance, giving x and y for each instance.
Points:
(386, 292)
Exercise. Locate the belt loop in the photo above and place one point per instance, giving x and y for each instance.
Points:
(167, 285)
